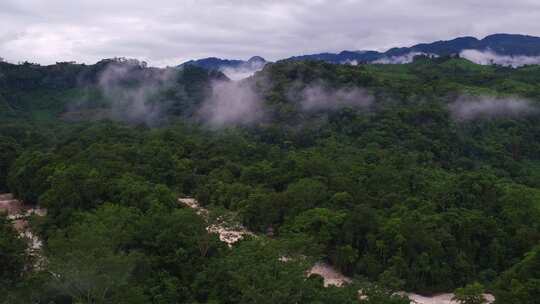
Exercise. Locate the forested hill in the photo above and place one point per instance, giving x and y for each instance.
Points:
(118, 84)
(420, 177)
(118, 89)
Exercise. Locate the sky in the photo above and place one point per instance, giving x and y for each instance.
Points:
(169, 32)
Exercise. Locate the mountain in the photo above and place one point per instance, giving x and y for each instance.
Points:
(498, 44)
(214, 63)
(233, 69)
(501, 44)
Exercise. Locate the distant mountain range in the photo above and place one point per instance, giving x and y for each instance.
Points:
(499, 44)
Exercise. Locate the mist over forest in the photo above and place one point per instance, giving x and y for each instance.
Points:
(419, 177)
(237, 152)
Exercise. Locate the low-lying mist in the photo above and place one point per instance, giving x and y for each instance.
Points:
(134, 98)
(407, 58)
(127, 92)
(473, 108)
(490, 57)
(239, 73)
(231, 103)
(243, 71)
(320, 96)
(240, 103)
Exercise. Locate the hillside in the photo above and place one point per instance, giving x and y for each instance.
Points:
(118, 89)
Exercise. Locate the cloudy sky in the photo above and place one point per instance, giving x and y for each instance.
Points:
(168, 32)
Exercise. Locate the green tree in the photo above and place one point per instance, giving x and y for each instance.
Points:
(89, 262)
(27, 178)
(72, 188)
(255, 272)
(305, 194)
(14, 259)
(8, 153)
(320, 224)
(470, 294)
(176, 247)
(521, 283)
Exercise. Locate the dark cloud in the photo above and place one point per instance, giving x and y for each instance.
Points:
(167, 32)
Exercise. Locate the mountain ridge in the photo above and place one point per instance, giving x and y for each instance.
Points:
(499, 43)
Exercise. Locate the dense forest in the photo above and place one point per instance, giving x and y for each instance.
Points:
(421, 177)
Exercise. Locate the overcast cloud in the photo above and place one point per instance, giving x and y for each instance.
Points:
(167, 32)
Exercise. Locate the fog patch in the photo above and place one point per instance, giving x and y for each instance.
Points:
(489, 57)
(130, 92)
(349, 62)
(319, 96)
(245, 69)
(231, 103)
(135, 102)
(241, 72)
(472, 108)
(403, 59)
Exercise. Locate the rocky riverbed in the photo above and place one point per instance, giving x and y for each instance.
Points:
(227, 234)
(20, 213)
(445, 298)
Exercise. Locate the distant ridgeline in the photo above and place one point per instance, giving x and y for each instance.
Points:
(489, 50)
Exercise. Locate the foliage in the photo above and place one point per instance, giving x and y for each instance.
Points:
(520, 284)
(13, 257)
(401, 193)
(470, 294)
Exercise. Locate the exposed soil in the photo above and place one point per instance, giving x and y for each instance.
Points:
(19, 213)
(229, 235)
(445, 298)
(330, 275)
